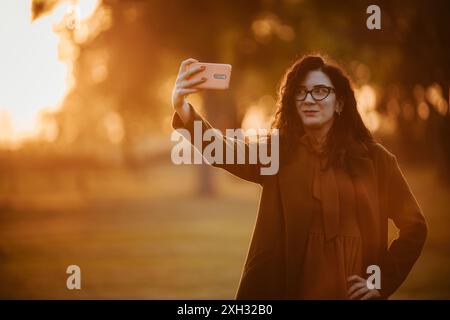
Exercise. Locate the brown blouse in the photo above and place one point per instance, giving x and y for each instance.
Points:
(334, 247)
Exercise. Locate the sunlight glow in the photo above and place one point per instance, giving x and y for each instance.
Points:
(366, 98)
(33, 79)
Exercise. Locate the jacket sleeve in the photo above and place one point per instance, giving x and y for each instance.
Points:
(248, 170)
(407, 216)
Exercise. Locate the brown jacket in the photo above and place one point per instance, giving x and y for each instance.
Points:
(274, 260)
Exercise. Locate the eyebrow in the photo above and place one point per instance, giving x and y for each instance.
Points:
(315, 86)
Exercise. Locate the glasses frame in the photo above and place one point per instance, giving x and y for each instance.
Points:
(310, 92)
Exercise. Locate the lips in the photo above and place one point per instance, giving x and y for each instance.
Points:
(310, 112)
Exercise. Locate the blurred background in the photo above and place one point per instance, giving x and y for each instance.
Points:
(85, 170)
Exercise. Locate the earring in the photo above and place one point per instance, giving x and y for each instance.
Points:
(338, 111)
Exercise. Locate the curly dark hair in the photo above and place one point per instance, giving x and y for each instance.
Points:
(347, 127)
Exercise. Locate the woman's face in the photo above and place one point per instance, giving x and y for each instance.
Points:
(316, 113)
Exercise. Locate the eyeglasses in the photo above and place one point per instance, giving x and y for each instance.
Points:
(317, 93)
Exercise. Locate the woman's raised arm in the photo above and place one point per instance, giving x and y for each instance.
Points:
(186, 117)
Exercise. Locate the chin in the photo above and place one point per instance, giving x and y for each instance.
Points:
(309, 123)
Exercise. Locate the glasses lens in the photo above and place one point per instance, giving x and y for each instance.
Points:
(320, 93)
(301, 94)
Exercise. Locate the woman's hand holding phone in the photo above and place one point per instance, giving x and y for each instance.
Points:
(194, 76)
(184, 85)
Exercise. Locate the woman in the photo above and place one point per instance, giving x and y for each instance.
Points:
(323, 218)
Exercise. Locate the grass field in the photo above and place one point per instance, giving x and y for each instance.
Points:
(146, 235)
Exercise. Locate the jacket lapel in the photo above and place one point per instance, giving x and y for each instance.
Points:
(366, 190)
(295, 180)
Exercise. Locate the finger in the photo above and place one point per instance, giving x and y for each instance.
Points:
(368, 295)
(371, 294)
(190, 83)
(185, 63)
(359, 293)
(355, 278)
(184, 92)
(355, 287)
(190, 72)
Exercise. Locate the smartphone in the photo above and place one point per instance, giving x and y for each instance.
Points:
(217, 75)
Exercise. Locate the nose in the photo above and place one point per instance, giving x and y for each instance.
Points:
(309, 99)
